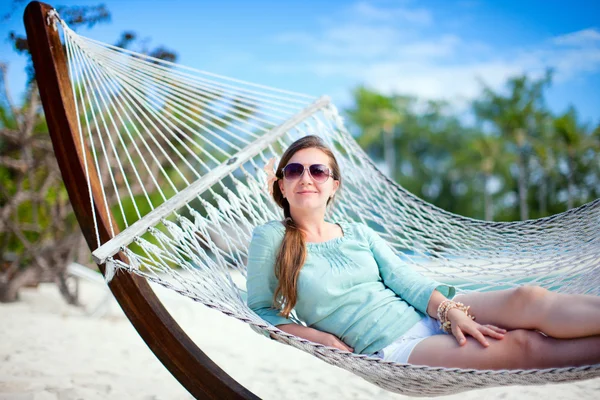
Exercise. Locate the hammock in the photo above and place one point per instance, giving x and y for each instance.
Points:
(179, 156)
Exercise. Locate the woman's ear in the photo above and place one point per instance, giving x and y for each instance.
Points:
(280, 183)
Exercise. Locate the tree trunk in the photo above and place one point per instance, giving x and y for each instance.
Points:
(9, 291)
(543, 195)
(487, 199)
(570, 182)
(524, 209)
(389, 151)
(69, 292)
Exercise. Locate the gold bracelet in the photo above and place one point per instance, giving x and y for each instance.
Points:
(442, 313)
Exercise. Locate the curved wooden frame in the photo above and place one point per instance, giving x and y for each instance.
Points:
(178, 353)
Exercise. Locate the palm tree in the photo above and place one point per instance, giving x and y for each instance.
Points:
(513, 117)
(390, 118)
(545, 149)
(378, 115)
(421, 144)
(574, 139)
(490, 150)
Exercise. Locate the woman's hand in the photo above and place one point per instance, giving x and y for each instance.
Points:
(463, 324)
(332, 341)
(315, 335)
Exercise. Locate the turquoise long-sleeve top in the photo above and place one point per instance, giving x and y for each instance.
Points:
(354, 287)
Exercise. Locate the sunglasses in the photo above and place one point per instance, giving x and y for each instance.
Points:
(319, 172)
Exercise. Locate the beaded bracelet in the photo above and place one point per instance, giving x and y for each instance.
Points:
(442, 313)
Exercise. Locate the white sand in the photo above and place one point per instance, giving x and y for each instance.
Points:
(49, 350)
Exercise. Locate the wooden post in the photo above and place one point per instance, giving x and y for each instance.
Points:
(192, 368)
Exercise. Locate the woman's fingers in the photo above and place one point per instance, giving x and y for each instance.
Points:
(477, 334)
(496, 329)
(459, 335)
(343, 346)
(493, 331)
(474, 330)
(480, 331)
(346, 347)
(333, 341)
(463, 325)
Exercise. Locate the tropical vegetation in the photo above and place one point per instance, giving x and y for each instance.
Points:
(516, 160)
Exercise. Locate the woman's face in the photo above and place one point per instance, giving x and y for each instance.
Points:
(304, 192)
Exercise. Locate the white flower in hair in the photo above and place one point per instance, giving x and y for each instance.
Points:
(271, 177)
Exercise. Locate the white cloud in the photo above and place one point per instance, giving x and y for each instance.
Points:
(431, 81)
(368, 11)
(579, 38)
(368, 45)
(346, 40)
(446, 45)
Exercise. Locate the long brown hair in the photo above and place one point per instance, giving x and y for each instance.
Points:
(292, 252)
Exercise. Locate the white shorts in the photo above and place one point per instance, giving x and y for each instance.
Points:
(400, 349)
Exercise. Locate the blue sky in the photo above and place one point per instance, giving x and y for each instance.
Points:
(432, 49)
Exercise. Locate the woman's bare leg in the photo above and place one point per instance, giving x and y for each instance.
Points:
(531, 307)
(520, 349)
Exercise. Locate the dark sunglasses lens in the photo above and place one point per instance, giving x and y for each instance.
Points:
(319, 172)
(293, 171)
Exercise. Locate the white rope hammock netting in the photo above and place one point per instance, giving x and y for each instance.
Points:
(180, 156)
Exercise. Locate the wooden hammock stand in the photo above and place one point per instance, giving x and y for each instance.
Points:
(182, 357)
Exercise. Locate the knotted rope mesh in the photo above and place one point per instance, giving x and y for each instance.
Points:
(180, 156)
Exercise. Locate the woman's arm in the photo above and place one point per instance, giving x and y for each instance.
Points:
(315, 335)
(434, 302)
(462, 323)
(413, 287)
(261, 280)
(424, 293)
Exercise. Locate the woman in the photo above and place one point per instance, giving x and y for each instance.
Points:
(355, 294)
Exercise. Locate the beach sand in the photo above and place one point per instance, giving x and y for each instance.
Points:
(49, 350)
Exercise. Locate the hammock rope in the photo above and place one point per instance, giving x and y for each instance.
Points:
(180, 155)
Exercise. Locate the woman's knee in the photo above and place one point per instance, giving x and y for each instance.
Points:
(530, 306)
(529, 294)
(530, 297)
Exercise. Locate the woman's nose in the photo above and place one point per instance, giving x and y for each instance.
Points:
(305, 177)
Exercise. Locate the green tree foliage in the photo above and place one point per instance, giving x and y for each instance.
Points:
(38, 231)
(577, 152)
(513, 117)
(517, 161)
(424, 136)
(34, 206)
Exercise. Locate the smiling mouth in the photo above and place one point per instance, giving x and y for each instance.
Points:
(306, 192)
